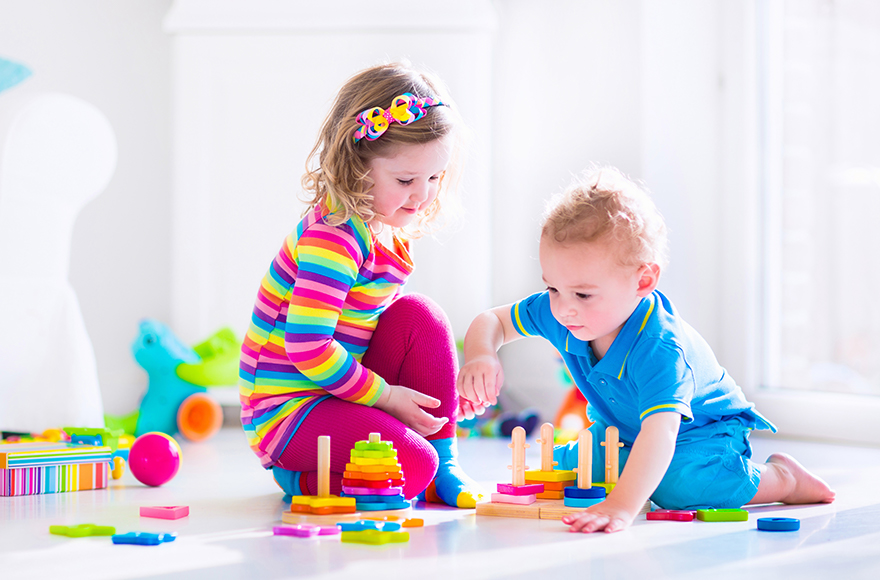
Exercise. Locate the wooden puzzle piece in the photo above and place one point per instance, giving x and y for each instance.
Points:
(528, 489)
(672, 515)
(143, 538)
(165, 512)
(375, 537)
(550, 476)
(514, 499)
(779, 524)
(82, 530)
(723, 515)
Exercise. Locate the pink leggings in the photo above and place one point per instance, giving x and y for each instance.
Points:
(411, 346)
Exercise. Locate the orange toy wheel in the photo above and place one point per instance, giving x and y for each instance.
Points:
(199, 417)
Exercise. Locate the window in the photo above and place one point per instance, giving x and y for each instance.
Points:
(821, 198)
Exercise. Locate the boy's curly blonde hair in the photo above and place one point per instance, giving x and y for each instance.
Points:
(337, 167)
(603, 205)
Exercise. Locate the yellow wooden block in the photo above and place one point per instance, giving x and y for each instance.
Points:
(558, 475)
(608, 486)
(315, 502)
(389, 468)
(374, 461)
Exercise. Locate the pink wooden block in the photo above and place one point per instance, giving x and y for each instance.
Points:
(299, 531)
(517, 499)
(509, 489)
(372, 490)
(174, 512)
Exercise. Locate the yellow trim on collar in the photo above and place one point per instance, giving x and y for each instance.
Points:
(641, 328)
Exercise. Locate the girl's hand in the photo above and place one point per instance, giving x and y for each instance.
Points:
(405, 405)
(480, 380)
(606, 516)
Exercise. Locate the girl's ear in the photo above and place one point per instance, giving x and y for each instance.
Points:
(649, 277)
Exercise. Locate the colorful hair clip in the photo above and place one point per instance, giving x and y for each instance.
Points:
(404, 109)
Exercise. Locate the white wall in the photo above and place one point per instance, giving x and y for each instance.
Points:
(631, 83)
(115, 56)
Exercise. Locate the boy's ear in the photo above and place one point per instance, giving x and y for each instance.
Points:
(649, 277)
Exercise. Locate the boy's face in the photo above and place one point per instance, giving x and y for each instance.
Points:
(591, 293)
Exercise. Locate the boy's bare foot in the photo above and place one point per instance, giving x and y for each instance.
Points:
(807, 487)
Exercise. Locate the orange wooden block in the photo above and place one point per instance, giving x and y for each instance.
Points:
(322, 511)
(552, 494)
(550, 485)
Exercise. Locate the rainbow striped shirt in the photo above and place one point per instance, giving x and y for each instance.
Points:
(315, 313)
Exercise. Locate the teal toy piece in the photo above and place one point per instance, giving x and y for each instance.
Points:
(158, 350)
(178, 377)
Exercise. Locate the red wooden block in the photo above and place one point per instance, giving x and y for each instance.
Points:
(672, 515)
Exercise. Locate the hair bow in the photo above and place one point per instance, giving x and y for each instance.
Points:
(404, 109)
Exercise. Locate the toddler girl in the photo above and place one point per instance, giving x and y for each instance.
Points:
(334, 347)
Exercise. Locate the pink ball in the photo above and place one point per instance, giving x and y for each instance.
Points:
(154, 458)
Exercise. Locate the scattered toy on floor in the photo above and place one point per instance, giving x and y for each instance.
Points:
(154, 459)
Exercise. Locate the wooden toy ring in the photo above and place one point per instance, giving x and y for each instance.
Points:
(779, 524)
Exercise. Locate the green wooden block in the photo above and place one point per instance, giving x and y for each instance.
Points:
(723, 515)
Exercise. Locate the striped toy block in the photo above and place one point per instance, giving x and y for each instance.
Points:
(53, 478)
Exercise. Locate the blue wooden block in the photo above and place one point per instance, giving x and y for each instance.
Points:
(379, 506)
(358, 526)
(143, 538)
(582, 502)
(590, 493)
(375, 498)
(779, 524)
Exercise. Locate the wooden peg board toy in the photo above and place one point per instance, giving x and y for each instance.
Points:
(372, 482)
(322, 504)
(508, 502)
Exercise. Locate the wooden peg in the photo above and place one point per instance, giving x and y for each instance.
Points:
(546, 441)
(612, 444)
(585, 460)
(518, 466)
(324, 466)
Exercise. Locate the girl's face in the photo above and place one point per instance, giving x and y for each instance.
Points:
(406, 181)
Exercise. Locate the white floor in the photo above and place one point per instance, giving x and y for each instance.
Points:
(234, 504)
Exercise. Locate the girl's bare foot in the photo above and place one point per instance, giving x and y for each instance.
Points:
(806, 488)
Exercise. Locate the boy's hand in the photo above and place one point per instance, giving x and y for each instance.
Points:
(468, 410)
(405, 405)
(480, 379)
(605, 516)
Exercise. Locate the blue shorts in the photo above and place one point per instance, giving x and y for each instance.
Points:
(711, 467)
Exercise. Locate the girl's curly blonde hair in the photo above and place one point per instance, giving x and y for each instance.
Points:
(604, 205)
(337, 168)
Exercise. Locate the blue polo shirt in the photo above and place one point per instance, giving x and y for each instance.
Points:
(657, 363)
